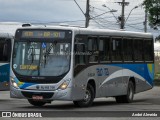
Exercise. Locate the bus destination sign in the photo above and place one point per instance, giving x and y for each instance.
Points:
(43, 34)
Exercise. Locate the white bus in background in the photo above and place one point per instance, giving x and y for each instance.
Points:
(79, 64)
(6, 41)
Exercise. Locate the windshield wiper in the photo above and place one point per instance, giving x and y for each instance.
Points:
(32, 54)
(48, 52)
(31, 47)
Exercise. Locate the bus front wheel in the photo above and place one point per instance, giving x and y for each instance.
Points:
(130, 94)
(88, 98)
(36, 103)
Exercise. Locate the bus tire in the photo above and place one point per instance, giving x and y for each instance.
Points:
(89, 97)
(36, 103)
(130, 95)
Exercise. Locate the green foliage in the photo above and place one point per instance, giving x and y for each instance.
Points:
(153, 8)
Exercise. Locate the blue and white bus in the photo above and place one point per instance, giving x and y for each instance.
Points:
(79, 64)
(5, 53)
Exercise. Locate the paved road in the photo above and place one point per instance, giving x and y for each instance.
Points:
(145, 101)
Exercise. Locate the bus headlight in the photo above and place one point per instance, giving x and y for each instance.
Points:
(13, 83)
(64, 85)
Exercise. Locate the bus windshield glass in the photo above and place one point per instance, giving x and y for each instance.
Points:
(41, 58)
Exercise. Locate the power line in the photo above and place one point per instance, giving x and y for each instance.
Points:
(79, 7)
(87, 16)
(136, 23)
(134, 27)
(104, 23)
(98, 8)
(100, 18)
(99, 22)
(137, 19)
(91, 1)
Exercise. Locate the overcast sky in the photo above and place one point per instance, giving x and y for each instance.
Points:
(39, 10)
(63, 11)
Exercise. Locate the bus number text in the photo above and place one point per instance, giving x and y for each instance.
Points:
(102, 71)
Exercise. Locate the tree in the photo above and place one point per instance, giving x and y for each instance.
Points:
(153, 8)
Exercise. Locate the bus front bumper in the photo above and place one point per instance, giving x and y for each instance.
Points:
(46, 95)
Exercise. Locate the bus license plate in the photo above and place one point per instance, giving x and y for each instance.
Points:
(36, 97)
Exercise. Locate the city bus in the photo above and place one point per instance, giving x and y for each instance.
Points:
(80, 64)
(6, 41)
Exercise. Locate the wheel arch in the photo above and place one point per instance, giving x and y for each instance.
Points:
(132, 79)
(93, 83)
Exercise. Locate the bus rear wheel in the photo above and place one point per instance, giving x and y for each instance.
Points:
(88, 99)
(36, 103)
(130, 95)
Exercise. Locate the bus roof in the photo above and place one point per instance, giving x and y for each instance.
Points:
(101, 32)
(115, 33)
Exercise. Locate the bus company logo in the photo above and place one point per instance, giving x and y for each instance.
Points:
(6, 114)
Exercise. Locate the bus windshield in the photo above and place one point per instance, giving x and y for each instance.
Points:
(41, 58)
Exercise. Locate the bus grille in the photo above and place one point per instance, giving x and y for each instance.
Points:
(30, 94)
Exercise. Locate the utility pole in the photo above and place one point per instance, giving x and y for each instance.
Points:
(87, 15)
(145, 22)
(122, 18)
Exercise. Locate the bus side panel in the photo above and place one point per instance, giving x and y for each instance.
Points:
(108, 80)
(4, 76)
(112, 79)
(148, 76)
(115, 81)
(80, 82)
(142, 73)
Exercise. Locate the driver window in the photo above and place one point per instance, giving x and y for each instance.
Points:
(80, 50)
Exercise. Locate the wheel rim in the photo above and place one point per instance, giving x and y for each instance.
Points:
(87, 96)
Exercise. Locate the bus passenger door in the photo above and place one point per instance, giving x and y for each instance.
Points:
(80, 74)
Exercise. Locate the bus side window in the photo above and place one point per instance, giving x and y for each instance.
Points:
(116, 49)
(4, 50)
(148, 48)
(93, 49)
(138, 50)
(1, 50)
(104, 49)
(128, 49)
